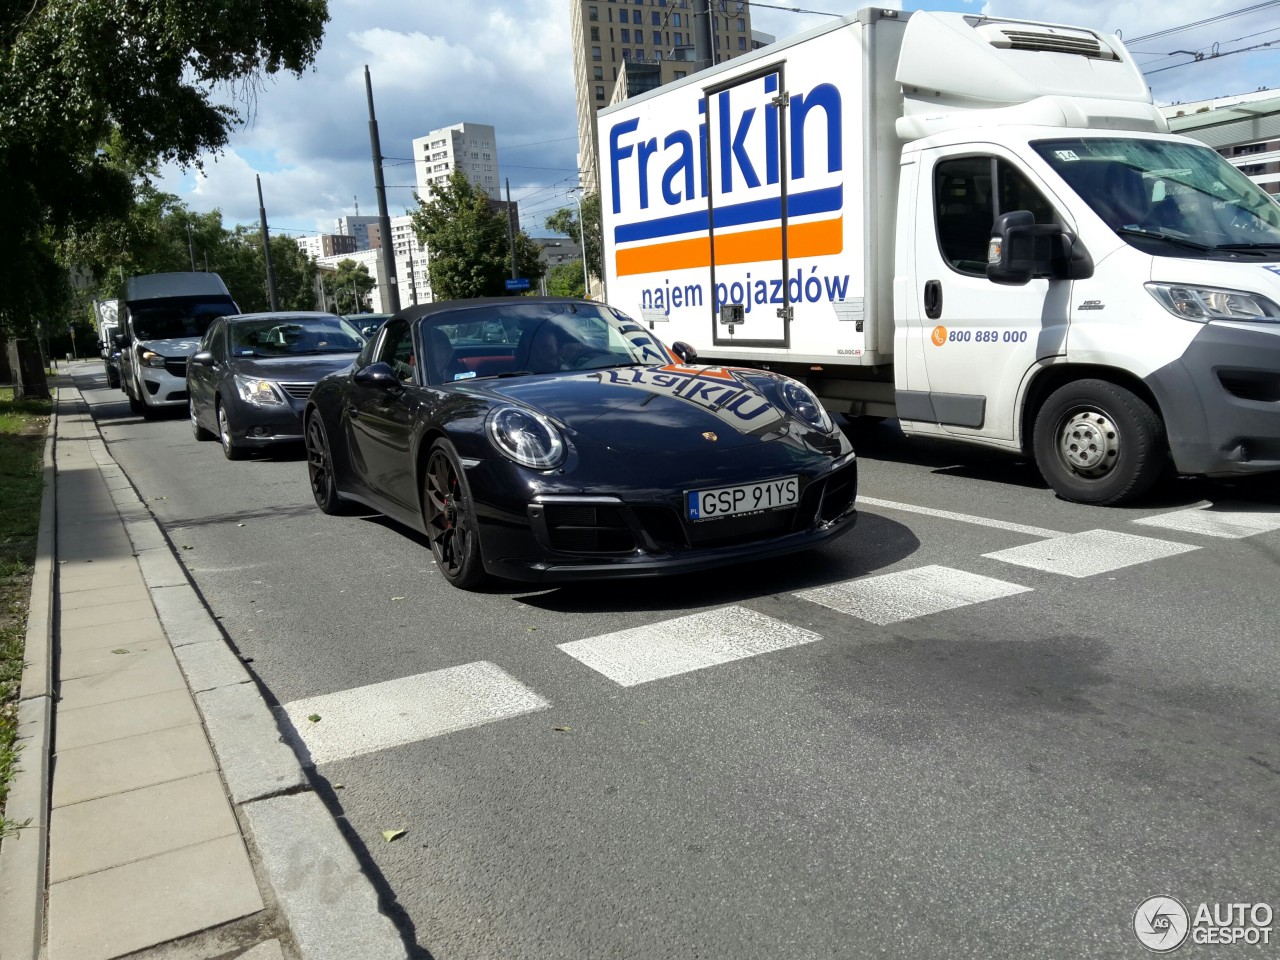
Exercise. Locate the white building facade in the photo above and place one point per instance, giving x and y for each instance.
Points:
(357, 227)
(469, 147)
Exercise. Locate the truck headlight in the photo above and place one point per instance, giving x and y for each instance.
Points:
(528, 438)
(260, 392)
(1203, 304)
(150, 358)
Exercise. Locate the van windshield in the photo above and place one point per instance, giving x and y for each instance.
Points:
(1168, 198)
(176, 319)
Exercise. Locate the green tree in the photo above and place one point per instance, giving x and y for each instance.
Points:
(565, 222)
(466, 234)
(78, 74)
(347, 286)
(565, 280)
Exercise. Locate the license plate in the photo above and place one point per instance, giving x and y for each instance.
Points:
(744, 498)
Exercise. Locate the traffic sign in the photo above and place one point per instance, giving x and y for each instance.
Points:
(519, 283)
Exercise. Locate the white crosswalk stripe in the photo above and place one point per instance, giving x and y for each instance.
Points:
(907, 594)
(1090, 553)
(673, 647)
(1219, 520)
(395, 712)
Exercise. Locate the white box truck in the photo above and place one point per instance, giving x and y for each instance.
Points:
(979, 226)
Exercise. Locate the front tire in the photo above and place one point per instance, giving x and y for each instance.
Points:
(197, 431)
(450, 518)
(324, 486)
(230, 449)
(1099, 443)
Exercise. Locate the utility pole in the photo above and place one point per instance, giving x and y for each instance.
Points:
(191, 248)
(582, 237)
(511, 233)
(702, 34)
(392, 300)
(413, 275)
(266, 252)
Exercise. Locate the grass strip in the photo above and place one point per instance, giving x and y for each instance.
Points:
(23, 424)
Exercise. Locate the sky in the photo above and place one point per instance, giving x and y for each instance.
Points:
(509, 63)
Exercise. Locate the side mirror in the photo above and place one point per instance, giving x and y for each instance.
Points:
(1020, 249)
(684, 351)
(201, 359)
(378, 375)
(119, 340)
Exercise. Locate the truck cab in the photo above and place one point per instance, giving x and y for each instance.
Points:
(164, 315)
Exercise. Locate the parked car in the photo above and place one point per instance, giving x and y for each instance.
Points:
(366, 323)
(545, 439)
(251, 375)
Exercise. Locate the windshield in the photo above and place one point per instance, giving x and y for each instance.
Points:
(535, 338)
(1168, 198)
(293, 336)
(176, 319)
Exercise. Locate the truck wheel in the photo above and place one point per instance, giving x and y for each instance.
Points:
(1096, 442)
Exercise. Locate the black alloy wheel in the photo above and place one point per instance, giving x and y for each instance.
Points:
(197, 431)
(450, 518)
(320, 466)
(230, 449)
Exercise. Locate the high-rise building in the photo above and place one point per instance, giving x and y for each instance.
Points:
(647, 43)
(326, 245)
(357, 227)
(469, 147)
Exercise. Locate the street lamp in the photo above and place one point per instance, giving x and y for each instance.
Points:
(582, 237)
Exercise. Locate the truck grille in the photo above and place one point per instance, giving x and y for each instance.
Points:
(299, 391)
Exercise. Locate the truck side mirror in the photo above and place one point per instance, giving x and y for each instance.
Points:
(1017, 251)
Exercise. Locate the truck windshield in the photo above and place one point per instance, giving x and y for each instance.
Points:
(1168, 198)
(175, 319)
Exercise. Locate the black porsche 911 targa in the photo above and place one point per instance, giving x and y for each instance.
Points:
(547, 440)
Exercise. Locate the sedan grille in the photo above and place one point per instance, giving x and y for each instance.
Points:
(299, 391)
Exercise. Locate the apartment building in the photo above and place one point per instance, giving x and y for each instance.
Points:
(644, 43)
(357, 227)
(469, 147)
(326, 245)
(1245, 129)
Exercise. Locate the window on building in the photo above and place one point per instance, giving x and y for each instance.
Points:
(680, 74)
(600, 93)
(626, 53)
(595, 33)
(655, 18)
(742, 43)
(657, 38)
(626, 36)
(595, 53)
(742, 23)
(675, 21)
(657, 54)
(593, 13)
(623, 16)
(679, 39)
(599, 73)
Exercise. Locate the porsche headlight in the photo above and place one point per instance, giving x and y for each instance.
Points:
(260, 392)
(526, 437)
(804, 405)
(150, 358)
(1203, 304)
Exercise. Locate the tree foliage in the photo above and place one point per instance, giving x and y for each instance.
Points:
(565, 280)
(347, 286)
(565, 222)
(466, 237)
(93, 93)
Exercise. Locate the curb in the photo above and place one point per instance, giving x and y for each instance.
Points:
(330, 904)
(22, 856)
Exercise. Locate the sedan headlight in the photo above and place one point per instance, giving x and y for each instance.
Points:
(804, 405)
(526, 437)
(150, 358)
(1203, 304)
(260, 392)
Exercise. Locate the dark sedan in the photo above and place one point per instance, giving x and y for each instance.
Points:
(543, 439)
(249, 379)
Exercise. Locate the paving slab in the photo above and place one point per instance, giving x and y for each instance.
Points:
(126, 908)
(144, 822)
(139, 675)
(104, 595)
(85, 773)
(96, 576)
(255, 759)
(110, 613)
(95, 661)
(121, 633)
(184, 616)
(210, 664)
(125, 718)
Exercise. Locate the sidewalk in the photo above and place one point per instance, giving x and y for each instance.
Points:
(178, 818)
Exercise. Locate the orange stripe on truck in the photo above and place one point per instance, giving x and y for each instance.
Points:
(819, 239)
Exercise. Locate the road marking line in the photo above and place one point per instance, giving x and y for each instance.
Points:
(960, 517)
(907, 594)
(1217, 521)
(395, 712)
(1089, 553)
(672, 647)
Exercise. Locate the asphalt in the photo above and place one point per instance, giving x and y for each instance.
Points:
(169, 817)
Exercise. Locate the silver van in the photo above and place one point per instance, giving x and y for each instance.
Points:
(162, 317)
